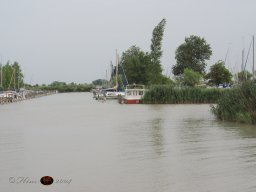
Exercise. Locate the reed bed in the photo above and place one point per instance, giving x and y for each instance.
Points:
(164, 94)
(239, 105)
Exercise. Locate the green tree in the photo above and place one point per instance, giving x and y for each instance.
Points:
(190, 77)
(192, 54)
(136, 65)
(12, 76)
(7, 76)
(219, 74)
(18, 75)
(156, 52)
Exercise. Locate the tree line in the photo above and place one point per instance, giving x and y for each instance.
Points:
(63, 87)
(190, 69)
(145, 67)
(12, 78)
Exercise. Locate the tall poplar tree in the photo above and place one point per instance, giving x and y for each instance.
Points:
(156, 51)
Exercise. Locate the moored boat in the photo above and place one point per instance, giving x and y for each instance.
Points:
(112, 93)
(133, 94)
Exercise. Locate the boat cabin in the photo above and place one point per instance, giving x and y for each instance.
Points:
(134, 94)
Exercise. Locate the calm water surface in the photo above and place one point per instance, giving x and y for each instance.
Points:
(108, 147)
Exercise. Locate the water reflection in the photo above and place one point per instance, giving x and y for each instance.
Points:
(142, 140)
(242, 130)
(246, 138)
(157, 136)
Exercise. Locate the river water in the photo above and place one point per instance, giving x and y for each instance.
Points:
(86, 145)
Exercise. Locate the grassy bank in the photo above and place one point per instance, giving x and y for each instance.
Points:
(163, 94)
(239, 105)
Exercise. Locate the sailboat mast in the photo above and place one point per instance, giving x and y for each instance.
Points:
(226, 56)
(106, 78)
(1, 73)
(253, 69)
(116, 70)
(243, 60)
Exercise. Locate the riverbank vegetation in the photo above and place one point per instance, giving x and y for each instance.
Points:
(165, 94)
(63, 87)
(238, 105)
(11, 76)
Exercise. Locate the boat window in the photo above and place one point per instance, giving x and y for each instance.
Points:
(129, 93)
(140, 92)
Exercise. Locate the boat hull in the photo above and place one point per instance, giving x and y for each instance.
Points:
(132, 101)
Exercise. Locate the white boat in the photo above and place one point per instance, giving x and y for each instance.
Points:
(112, 93)
(133, 94)
(8, 94)
(2, 95)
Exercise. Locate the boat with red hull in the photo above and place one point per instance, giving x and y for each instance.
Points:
(133, 94)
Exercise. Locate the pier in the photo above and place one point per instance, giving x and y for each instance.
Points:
(12, 96)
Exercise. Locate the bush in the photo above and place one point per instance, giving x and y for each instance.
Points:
(238, 105)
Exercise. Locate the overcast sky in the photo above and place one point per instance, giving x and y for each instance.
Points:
(75, 40)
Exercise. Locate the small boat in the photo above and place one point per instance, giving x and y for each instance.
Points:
(117, 91)
(112, 93)
(133, 94)
(9, 94)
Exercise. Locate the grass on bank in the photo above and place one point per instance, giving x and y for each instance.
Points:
(164, 94)
(238, 105)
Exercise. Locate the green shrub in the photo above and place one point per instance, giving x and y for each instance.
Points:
(238, 105)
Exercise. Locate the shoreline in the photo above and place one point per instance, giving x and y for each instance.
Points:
(13, 98)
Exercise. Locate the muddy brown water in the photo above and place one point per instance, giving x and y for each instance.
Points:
(86, 145)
